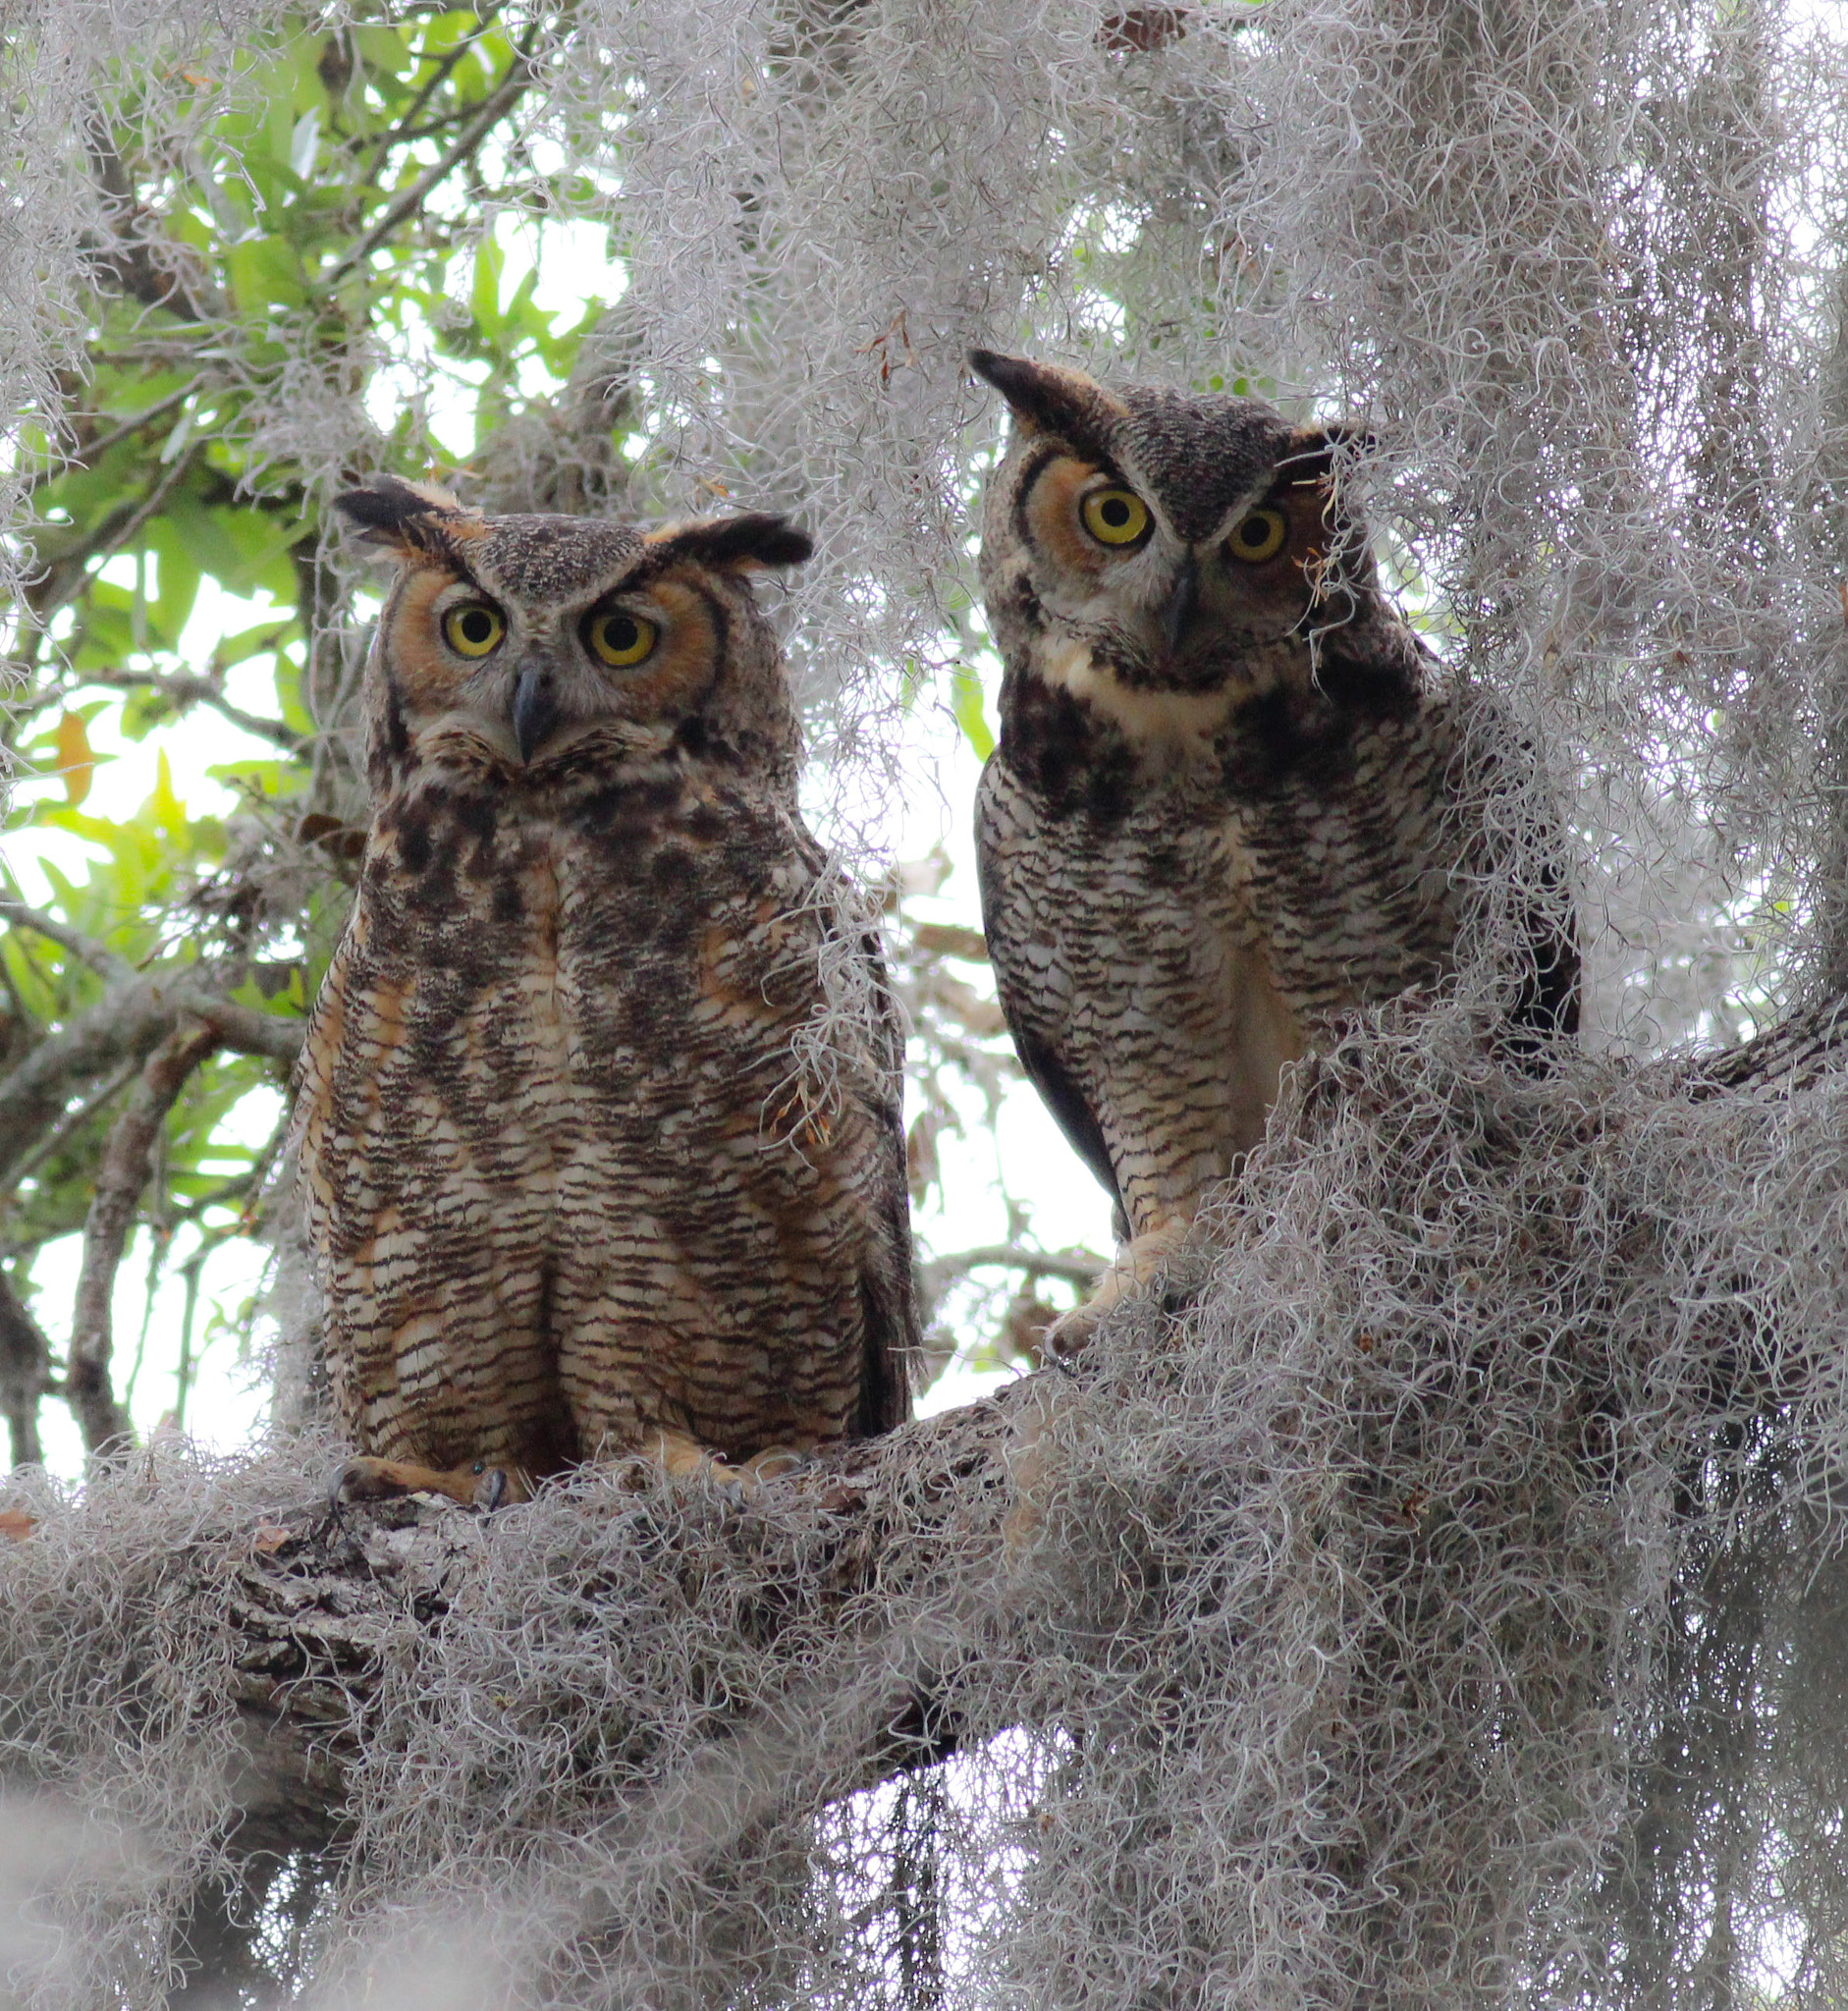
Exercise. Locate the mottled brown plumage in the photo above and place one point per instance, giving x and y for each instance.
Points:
(1233, 795)
(596, 1161)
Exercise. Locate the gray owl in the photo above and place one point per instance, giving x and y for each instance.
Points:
(596, 1162)
(1232, 794)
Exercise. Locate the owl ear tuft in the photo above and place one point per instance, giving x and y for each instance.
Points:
(398, 517)
(729, 543)
(1048, 397)
(1313, 451)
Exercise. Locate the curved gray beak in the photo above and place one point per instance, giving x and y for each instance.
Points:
(535, 711)
(1182, 598)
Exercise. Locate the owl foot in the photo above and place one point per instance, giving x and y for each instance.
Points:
(680, 1457)
(1138, 1266)
(1030, 1460)
(474, 1486)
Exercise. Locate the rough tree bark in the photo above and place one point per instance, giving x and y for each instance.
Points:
(313, 1594)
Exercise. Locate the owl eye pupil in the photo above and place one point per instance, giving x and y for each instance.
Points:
(476, 625)
(620, 633)
(1115, 512)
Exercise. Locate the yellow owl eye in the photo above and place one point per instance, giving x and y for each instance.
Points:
(473, 629)
(621, 639)
(1116, 517)
(1258, 536)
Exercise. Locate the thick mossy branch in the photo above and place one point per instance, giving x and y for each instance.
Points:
(312, 1610)
(316, 1602)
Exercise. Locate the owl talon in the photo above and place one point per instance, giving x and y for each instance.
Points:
(1069, 1335)
(776, 1462)
(474, 1486)
(682, 1457)
(1139, 1266)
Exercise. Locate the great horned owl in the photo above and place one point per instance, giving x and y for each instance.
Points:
(1232, 794)
(592, 1163)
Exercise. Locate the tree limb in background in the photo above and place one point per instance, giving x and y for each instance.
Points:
(407, 129)
(74, 1120)
(147, 268)
(86, 453)
(1073, 1267)
(129, 1022)
(24, 1374)
(184, 690)
(520, 77)
(114, 970)
(126, 1163)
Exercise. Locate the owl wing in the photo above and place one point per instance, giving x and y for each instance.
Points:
(887, 1294)
(892, 1340)
(1530, 849)
(1001, 853)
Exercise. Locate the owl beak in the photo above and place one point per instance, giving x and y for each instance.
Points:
(1182, 598)
(535, 712)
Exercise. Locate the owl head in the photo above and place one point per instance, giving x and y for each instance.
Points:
(1174, 543)
(536, 648)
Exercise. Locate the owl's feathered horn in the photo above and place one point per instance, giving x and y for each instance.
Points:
(400, 517)
(1048, 398)
(730, 542)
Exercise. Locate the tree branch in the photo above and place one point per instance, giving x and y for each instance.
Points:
(129, 1023)
(73, 1121)
(105, 961)
(313, 1599)
(141, 266)
(127, 1163)
(316, 1605)
(24, 1374)
(245, 1030)
(63, 579)
(1074, 1267)
(87, 452)
(501, 101)
(185, 689)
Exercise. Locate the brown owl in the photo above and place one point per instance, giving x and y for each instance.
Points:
(599, 1115)
(1233, 795)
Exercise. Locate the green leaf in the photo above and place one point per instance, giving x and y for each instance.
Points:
(170, 609)
(168, 810)
(265, 273)
(258, 640)
(966, 705)
(490, 264)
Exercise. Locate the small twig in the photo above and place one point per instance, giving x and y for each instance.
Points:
(494, 109)
(403, 131)
(127, 1161)
(87, 456)
(117, 970)
(187, 1366)
(185, 689)
(24, 1374)
(1074, 1267)
(74, 1120)
(65, 578)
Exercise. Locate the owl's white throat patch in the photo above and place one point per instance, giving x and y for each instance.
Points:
(1141, 713)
